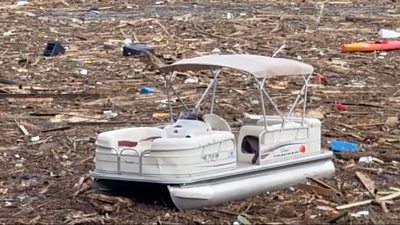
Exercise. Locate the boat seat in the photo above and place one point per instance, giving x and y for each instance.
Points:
(135, 138)
(216, 122)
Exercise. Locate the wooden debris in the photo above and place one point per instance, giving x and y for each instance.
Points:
(370, 186)
(367, 202)
(23, 129)
(37, 90)
(105, 203)
(323, 184)
(337, 217)
(316, 189)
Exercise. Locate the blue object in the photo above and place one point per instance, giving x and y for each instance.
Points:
(343, 146)
(146, 90)
(137, 49)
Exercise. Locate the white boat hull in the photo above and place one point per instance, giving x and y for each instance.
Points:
(229, 185)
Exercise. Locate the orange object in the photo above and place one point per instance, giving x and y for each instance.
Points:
(370, 46)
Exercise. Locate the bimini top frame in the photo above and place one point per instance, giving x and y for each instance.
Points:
(259, 67)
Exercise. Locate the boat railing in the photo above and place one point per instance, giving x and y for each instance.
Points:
(141, 154)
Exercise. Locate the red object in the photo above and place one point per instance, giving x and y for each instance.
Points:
(319, 78)
(302, 149)
(129, 144)
(370, 46)
(340, 106)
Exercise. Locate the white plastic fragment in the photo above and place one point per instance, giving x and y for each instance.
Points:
(8, 33)
(110, 114)
(365, 159)
(164, 104)
(22, 3)
(7, 204)
(193, 80)
(360, 213)
(35, 138)
(127, 42)
(83, 72)
(216, 51)
(229, 15)
(385, 33)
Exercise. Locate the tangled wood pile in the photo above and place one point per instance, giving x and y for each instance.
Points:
(51, 108)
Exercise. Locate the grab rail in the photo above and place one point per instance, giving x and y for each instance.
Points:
(118, 153)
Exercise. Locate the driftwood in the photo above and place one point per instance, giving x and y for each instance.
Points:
(367, 202)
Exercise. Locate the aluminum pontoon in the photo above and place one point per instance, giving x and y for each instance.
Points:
(203, 161)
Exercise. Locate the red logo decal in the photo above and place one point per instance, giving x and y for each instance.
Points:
(302, 149)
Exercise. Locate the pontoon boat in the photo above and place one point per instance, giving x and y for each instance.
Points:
(202, 161)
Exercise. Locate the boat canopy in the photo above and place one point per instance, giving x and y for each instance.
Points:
(259, 66)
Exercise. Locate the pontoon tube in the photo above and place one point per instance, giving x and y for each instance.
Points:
(240, 187)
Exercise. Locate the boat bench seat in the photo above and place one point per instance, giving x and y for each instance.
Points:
(139, 138)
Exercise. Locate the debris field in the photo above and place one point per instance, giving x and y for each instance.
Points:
(52, 108)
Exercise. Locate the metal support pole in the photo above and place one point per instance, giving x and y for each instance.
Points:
(215, 81)
(173, 90)
(260, 86)
(168, 97)
(298, 96)
(305, 98)
(207, 90)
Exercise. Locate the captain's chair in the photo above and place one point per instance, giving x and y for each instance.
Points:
(216, 122)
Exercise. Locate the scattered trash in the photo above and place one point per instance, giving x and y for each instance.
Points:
(365, 159)
(229, 15)
(370, 159)
(340, 106)
(388, 34)
(35, 138)
(7, 204)
(53, 48)
(83, 72)
(137, 49)
(216, 51)
(110, 114)
(164, 104)
(360, 214)
(127, 42)
(146, 90)
(8, 33)
(193, 80)
(243, 220)
(370, 46)
(160, 3)
(161, 115)
(343, 146)
(22, 3)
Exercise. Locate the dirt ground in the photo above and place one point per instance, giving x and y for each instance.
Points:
(53, 107)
